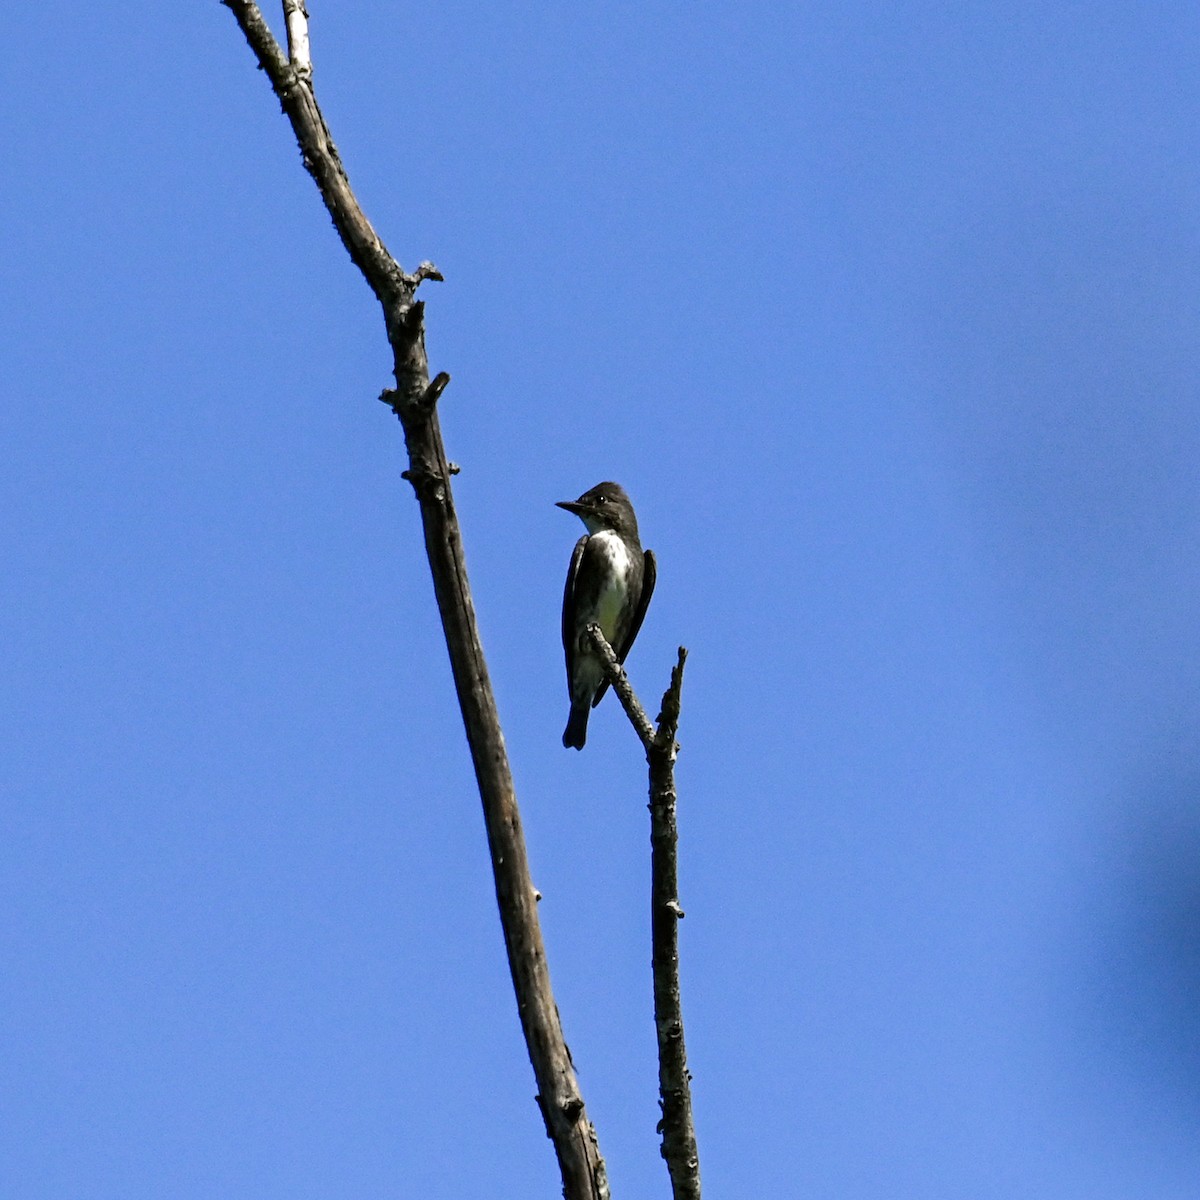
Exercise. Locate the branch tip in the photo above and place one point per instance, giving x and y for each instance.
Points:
(426, 271)
(295, 14)
(431, 395)
(668, 716)
(391, 397)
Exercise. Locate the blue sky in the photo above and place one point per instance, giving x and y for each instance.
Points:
(887, 317)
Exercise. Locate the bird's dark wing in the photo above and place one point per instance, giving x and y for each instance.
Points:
(649, 577)
(568, 613)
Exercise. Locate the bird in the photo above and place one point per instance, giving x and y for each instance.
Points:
(610, 582)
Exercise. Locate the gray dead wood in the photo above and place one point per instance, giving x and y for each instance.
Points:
(674, 1081)
(414, 401)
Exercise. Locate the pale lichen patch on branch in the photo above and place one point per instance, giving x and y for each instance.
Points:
(299, 52)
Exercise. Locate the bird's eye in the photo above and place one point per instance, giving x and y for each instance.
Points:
(602, 499)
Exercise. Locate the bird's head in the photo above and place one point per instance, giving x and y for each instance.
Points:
(604, 507)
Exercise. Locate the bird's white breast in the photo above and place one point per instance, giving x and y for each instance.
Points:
(611, 600)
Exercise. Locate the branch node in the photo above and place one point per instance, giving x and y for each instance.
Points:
(430, 396)
(288, 80)
(425, 271)
(427, 483)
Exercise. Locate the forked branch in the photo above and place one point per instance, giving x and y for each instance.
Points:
(674, 1082)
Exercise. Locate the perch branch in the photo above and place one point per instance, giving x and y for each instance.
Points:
(414, 400)
(674, 1082)
(619, 680)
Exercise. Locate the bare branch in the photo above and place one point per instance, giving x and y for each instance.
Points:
(674, 1081)
(414, 400)
(621, 685)
(321, 159)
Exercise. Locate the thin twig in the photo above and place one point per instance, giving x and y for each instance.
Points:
(674, 1081)
(414, 401)
(621, 685)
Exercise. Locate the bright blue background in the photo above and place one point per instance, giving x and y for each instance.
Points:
(887, 316)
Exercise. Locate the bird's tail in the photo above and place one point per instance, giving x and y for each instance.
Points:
(575, 733)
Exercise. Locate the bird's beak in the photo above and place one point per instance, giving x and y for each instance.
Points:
(572, 506)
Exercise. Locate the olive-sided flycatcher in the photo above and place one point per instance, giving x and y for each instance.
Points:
(610, 582)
